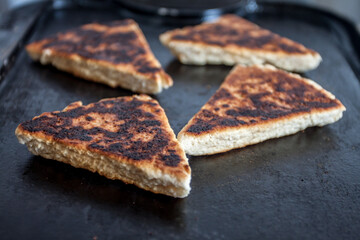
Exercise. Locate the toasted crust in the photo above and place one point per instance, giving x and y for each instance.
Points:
(126, 138)
(116, 54)
(255, 104)
(233, 40)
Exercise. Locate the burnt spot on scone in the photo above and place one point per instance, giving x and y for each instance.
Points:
(128, 120)
(222, 93)
(121, 45)
(152, 104)
(207, 114)
(290, 48)
(171, 160)
(135, 150)
(149, 123)
(210, 31)
(231, 122)
(149, 115)
(200, 126)
(144, 66)
(271, 95)
(226, 34)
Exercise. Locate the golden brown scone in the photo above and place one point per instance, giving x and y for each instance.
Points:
(116, 54)
(125, 138)
(233, 40)
(255, 104)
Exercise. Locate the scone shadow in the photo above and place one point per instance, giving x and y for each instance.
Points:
(51, 179)
(271, 159)
(67, 84)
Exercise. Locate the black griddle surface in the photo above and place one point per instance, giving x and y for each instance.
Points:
(302, 186)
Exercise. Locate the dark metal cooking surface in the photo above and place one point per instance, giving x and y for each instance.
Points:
(302, 186)
(184, 8)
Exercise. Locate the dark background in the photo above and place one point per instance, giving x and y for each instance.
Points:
(346, 8)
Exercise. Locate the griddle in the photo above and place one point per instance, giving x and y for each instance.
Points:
(304, 186)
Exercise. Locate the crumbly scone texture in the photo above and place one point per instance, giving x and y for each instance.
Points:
(115, 53)
(255, 104)
(126, 138)
(233, 40)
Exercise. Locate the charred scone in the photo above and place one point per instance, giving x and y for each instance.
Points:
(125, 138)
(116, 54)
(233, 40)
(255, 104)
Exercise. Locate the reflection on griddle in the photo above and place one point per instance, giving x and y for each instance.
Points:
(84, 188)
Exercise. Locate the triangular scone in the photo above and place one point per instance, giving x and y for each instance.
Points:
(255, 104)
(126, 138)
(116, 54)
(233, 40)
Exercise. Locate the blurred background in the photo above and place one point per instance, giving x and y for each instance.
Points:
(349, 9)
